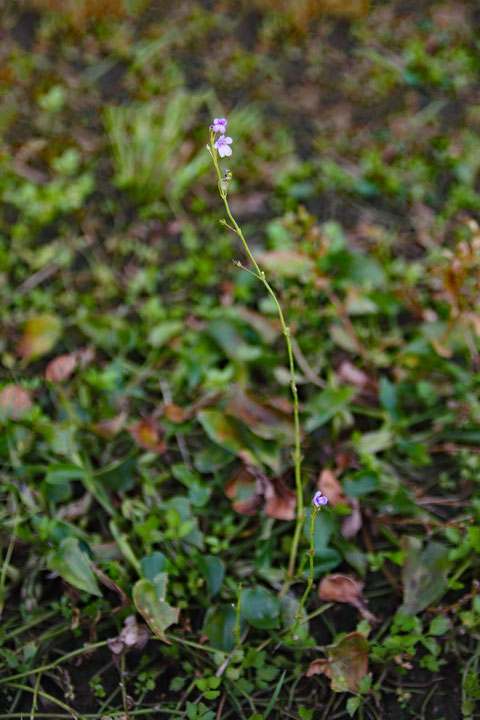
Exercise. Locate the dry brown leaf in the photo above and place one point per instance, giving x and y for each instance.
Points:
(175, 414)
(245, 489)
(344, 589)
(318, 667)
(331, 488)
(148, 434)
(61, 367)
(280, 501)
(15, 402)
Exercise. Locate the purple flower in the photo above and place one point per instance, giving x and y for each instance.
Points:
(319, 499)
(222, 146)
(219, 125)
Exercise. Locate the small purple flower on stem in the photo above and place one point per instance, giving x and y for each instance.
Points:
(319, 499)
(222, 146)
(219, 125)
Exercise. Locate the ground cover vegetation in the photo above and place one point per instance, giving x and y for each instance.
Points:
(148, 494)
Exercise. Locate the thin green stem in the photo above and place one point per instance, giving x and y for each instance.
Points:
(236, 630)
(297, 456)
(310, 575)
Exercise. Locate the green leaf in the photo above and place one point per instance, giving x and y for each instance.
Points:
(439, 626)
(63, 472)
(352, 705)
(213, 570)
(163, 332)
(211, 458)
(361, 483)
(389, 397)
(424, 576)
(119, 477)
(260, 608)
(149, 599)
(153, 565)
(74, 566)
(327, 404)
(218, 626)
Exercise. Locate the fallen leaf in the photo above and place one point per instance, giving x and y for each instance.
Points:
(424, 574)
(175, 413)
(318, 667)
(132, 637)
(280, 501)
(245, 489)
(15, 402)
(148, 434)
(344, 589)
(261, 419)
(40, 335)
(250, 488)
(61, 367)
(331, 488)
(346, 663)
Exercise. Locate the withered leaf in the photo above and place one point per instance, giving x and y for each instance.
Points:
(250, 489)
(61, 367)
(15, 402)
(331, 488)
(344, 589)
(261, 419)
(175, 414)
(148, 434)
(346, 663)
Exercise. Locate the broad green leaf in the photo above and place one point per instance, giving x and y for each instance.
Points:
(74, 566)
(163, 332)
(218, 626)
(63, 472)
(149, 599)
(213, 570)
(260, 608)
(424, 575)
(153, 565)
(325, 405)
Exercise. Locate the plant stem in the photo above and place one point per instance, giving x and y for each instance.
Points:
(310, 575)
(297, 456)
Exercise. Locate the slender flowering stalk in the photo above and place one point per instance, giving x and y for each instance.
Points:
(318, 501)
(222, 147)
